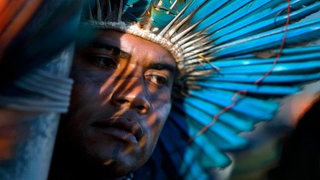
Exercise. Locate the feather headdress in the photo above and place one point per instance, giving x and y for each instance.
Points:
(234, 57)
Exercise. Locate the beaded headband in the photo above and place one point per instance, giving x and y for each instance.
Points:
(189, 47)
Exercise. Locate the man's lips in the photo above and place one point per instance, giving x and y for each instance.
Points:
(121, 128)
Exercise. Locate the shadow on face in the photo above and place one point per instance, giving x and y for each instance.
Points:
(120, 101)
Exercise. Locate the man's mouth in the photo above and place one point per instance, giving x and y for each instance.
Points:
(120, 128)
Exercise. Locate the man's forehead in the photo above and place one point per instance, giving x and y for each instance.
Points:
(130, 45)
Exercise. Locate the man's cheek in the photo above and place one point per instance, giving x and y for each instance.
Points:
(157, 123)
(83, 93)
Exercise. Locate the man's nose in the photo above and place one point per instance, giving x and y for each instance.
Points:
(132, 93)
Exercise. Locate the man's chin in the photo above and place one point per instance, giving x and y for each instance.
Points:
(125, 164)
(117, 164)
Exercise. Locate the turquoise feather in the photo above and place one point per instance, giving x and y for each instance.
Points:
(256, 89)
(135, 9)
(270, 39)
(230, 119)
(242, 40)
(262, 21)
(162, 14)
(221, 131)
(223, 22)
(218, 158)
(249, 107)
(229, 8)
(191, 170)
(280, 68)
(272, 79)
(285, 58)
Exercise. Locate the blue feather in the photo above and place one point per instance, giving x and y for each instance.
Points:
(300, 55)
(191, 168)
(226, 15)
(252, 88)
(280, 68)
(247, 35)
(270, 79)
(234, 17)
(206, 9)
(249, 107)
(227, 118)
(222, 132)
(162, 14)
(261, 21)
(135, 9)
(296, 33)
(215, 156)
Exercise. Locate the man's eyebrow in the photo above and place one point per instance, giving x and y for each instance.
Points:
(108, 45)
(163, 66)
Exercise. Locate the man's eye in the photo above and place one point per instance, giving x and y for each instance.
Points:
(103, 62)
(157, 79)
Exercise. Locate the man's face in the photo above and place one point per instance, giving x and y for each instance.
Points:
(120, 100)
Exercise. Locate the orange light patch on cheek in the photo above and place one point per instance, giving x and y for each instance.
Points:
(152, 120)
(108, 86)
(142, 143)
(128, 149)
(104, 87)
(159, 115)
(108, 82)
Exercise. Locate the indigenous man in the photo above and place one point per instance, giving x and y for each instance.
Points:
(125, 79)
